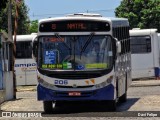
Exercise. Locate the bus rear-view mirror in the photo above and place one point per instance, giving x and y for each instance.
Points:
(35, 49)
(118, 45)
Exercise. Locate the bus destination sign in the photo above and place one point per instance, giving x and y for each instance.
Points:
(74, 26)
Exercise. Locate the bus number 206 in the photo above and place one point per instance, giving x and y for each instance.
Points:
(61, 82)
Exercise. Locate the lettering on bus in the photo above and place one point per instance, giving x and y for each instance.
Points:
(52, 66)
(76, 26)
(25, 65)
(54, 26)
(53, 39)
(96, 65)
(61, 82)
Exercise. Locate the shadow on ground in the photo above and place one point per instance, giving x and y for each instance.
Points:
(96, 109)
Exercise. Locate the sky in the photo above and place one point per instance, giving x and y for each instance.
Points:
(39, 9)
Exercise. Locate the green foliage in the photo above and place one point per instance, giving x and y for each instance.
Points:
(33, 26)
(23, 24)
(140, 13)
(3, 4)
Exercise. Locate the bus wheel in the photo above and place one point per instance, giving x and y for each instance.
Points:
(112, 105)
(123, 98)
(58, 104)
(48, 106)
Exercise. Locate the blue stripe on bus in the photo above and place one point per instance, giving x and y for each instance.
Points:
(45, 94)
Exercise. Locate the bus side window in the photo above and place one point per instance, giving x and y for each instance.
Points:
(28, 49)
(19, 50)
(23, 50)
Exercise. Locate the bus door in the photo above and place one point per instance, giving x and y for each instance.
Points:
(142, 57)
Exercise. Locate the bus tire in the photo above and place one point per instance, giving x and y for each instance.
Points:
(58, 104)
(112, 105)
(48, 106)
(123, 98)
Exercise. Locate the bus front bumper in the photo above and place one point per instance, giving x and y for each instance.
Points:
(45, 94)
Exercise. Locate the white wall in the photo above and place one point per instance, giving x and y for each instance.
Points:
(6, 92)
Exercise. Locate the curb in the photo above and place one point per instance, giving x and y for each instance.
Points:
(145, 83)
(26, 88)
(22, 90)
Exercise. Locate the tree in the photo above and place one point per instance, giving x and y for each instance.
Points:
(140, 13)
(23, 19)
(33, 26)
(3, 4)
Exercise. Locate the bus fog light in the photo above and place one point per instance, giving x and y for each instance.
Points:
(103, 84)
(40, 80)
(98, 86)
(38, 77)
(109, 80)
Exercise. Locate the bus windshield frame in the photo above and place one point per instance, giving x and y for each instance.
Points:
(75, 52)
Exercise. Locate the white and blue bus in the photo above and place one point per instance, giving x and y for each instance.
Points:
(68, 68)
(25, 66)
(145, 53)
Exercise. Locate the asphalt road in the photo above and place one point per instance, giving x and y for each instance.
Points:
(139, 99)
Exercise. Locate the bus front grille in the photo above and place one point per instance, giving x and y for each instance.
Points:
(75, 76)
(90, 86)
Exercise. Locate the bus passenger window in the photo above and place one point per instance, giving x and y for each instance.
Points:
(140, 44)
(23, 50)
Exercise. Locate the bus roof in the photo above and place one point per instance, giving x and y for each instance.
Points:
(136, 32)
(84, 18)
(26, 37)
(87, 16)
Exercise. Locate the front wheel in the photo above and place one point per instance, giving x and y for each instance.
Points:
(123, 98)
(112, 105)
(59, 104)
(48, 106)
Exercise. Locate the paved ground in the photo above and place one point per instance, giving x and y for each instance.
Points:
(143, 95)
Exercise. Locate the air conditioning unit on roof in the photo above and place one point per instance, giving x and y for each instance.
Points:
(84, 15)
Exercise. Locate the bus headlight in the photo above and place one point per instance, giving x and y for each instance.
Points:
(105, 83)
(44, 83)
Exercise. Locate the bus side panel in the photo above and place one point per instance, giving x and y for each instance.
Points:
(145, 53)
(31, 75)
(45, 94)
(20, 72)
(142, 65)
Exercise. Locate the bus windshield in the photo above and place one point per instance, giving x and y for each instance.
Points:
(75, 52)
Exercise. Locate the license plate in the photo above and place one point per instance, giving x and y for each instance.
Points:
(74, 94)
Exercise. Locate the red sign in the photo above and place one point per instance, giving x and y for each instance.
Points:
(74, 93)
(76, 26)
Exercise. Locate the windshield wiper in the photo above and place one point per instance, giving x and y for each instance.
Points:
(87, 43)
(58, 36)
